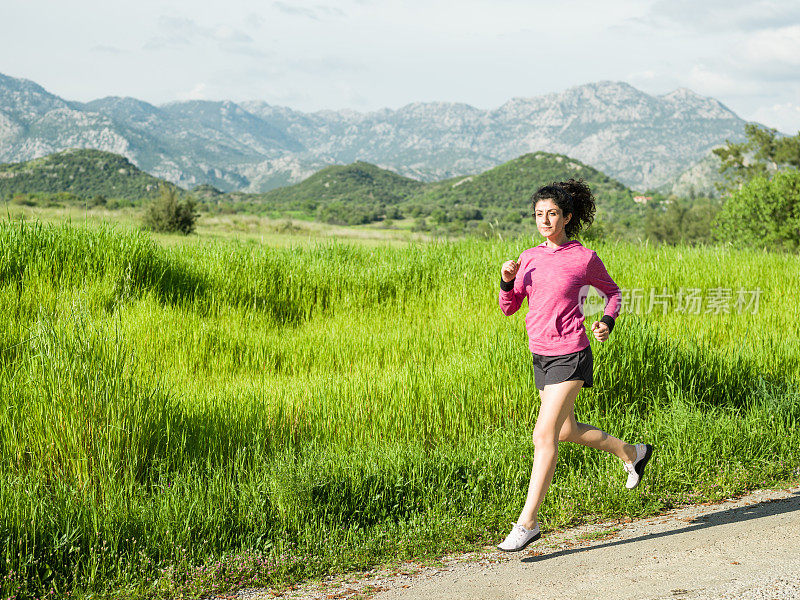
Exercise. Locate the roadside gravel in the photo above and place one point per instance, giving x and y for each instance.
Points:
(747, 548)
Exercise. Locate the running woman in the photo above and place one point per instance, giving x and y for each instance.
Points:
(554, 277)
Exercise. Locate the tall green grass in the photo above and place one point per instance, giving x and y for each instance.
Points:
(179, 421)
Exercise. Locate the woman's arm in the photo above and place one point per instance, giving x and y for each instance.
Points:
(511, 291)
(597, 276)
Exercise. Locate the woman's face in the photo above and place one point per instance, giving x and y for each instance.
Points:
(549, 219)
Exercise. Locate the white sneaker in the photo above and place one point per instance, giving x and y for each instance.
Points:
(519, 538)
(636, 468)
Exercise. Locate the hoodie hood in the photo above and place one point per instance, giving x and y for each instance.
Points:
(568, 244)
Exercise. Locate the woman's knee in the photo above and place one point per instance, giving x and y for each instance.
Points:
(545, 439)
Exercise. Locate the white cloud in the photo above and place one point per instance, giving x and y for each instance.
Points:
(316, 12)
(324, 54)
(716, 82)
(767, 56)
(106, 49)
(783, 117)
(198, 92)
(724, 15)
(254, 20)
(183, 31)
(775, 45)
(226, 34)
(647, 76)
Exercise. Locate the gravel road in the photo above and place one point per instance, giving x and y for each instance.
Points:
(747, 548)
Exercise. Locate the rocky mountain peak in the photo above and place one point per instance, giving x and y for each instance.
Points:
(643, 140)
(24, 100)
(685, 100)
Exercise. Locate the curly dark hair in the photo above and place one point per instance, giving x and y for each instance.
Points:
(573, 198)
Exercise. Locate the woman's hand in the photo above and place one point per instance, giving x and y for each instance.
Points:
(600, 331)
(509, 270)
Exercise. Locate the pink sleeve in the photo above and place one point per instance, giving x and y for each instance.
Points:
(511, 300)
(597, 276)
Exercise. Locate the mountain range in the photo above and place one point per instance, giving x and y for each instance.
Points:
(644, 141)
(345, 194)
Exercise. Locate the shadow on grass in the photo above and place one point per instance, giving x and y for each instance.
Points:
(738, 514)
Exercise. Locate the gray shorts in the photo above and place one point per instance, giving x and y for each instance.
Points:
(548, 370)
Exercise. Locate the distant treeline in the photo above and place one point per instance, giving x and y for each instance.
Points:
(495, 202)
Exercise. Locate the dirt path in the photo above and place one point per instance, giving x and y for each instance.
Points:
(745, 549)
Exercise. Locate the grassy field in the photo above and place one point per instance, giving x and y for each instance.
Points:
(242, 227)
(180, 418)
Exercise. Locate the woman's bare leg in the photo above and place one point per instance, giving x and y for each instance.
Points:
(558, 402)
(589, 435)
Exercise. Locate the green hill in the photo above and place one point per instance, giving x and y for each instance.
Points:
(79, 174)
(508, 187)
(362, 193)
(349, 194)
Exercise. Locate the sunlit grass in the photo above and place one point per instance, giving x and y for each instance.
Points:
(266, 414)
(243, 227)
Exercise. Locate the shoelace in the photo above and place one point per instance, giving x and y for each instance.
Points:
(516, 533)
(628, 467)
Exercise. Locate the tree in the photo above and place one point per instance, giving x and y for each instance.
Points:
(167, 213)
(393, 212)
(439, 216)
(467, 213)
(420, 224)
(683, 221)
(666, 225)
(763, 212)
(763, 153)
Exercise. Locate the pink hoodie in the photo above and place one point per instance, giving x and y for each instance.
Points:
(555, 281)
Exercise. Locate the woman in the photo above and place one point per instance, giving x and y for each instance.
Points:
(554, 277)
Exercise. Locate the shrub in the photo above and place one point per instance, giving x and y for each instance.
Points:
(420, 224)
(763, 213)
(23, 199)
(393, 212)
(167, 213)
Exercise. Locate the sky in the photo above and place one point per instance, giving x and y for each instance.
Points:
(366, 55)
